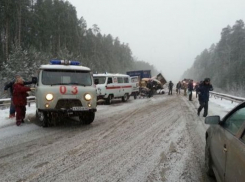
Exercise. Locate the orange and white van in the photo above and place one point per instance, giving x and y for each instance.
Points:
(111, 86)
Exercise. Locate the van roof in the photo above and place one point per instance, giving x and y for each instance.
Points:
(64, 67)
(110, 74)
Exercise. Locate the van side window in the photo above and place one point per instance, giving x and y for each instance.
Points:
(126, 80)
(109, 80)
(120, 80)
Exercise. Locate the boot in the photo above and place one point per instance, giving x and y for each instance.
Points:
(11, 115)
(18, 122)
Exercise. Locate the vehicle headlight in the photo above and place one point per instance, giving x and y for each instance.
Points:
(49, 97)
(87, 97)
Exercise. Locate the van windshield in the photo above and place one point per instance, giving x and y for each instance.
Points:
(66, 77)
(99, 80)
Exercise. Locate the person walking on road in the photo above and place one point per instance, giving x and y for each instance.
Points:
(190, 89)
(150, 87)
(170, 87)
(19, 100)
(178, 87)
(196, 88)
(10, 87)
(203, 92)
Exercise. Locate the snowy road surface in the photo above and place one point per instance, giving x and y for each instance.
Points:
(156, 139)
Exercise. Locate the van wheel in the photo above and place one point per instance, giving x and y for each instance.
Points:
(135, 95)
(42, 118)
(87, 118)
(208, 161)
(108, 100)
(125, 98)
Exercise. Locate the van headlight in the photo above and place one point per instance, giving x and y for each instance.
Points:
(49, 97)
(87, 97)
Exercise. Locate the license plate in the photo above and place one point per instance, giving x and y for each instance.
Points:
(79, 108)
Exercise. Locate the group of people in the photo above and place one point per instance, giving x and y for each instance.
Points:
(202, 92)
(18, 92)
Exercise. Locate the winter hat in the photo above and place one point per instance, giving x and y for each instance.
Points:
(207, 79)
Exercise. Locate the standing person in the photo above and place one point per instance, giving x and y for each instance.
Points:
(150, 86)
(178, 87)
(19, 100)
(203, 92)
(196, 88)
(184, 86)
(170, 87)
(190, 89)
(10, 87)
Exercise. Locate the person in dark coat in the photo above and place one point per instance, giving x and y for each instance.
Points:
(170, 88)
(203, 92)
(19, 100)
(190, 89)
(178, 87)
(10, 87)
(196, 88)
(150, 86)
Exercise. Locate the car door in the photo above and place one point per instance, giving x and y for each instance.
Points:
(217, 142)
(235, 149)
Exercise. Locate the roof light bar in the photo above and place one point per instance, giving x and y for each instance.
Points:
(64, 62)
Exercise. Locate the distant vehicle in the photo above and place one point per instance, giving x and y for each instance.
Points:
(161, 78)
(65, 89)
(112, 86)
(225, 145)
(140, 73)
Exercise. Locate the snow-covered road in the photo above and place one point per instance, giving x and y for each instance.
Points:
(156, 139)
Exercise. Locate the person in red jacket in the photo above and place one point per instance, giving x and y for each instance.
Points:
(19, 100)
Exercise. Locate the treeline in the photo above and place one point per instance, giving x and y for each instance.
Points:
(34, 31)
(223, 62)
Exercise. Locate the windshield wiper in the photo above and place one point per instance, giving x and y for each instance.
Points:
(75, 83)
(58, 84)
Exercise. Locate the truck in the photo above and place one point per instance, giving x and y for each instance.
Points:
(136, 77)
(140, 73)
(161, 78)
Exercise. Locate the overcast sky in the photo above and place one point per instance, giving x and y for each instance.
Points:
(166, 33)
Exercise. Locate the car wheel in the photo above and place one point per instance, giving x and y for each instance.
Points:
(208, 161)
(125, 98)
(42, 118)
(87, 118)
(108, 100)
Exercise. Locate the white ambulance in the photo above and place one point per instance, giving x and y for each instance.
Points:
(65, 89)
(110, 86)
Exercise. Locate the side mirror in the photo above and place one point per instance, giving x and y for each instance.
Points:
(34, 80)
(212, 120)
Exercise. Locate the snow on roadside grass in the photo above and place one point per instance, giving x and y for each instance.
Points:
(6, 121)
(220, 107)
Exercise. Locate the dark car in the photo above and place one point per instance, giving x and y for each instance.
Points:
(225, 146)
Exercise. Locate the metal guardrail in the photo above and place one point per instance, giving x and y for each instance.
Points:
(227, 97)
(6, 102)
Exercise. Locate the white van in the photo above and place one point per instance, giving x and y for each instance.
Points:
(135, 80)
(110, 86)
(65, 89)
